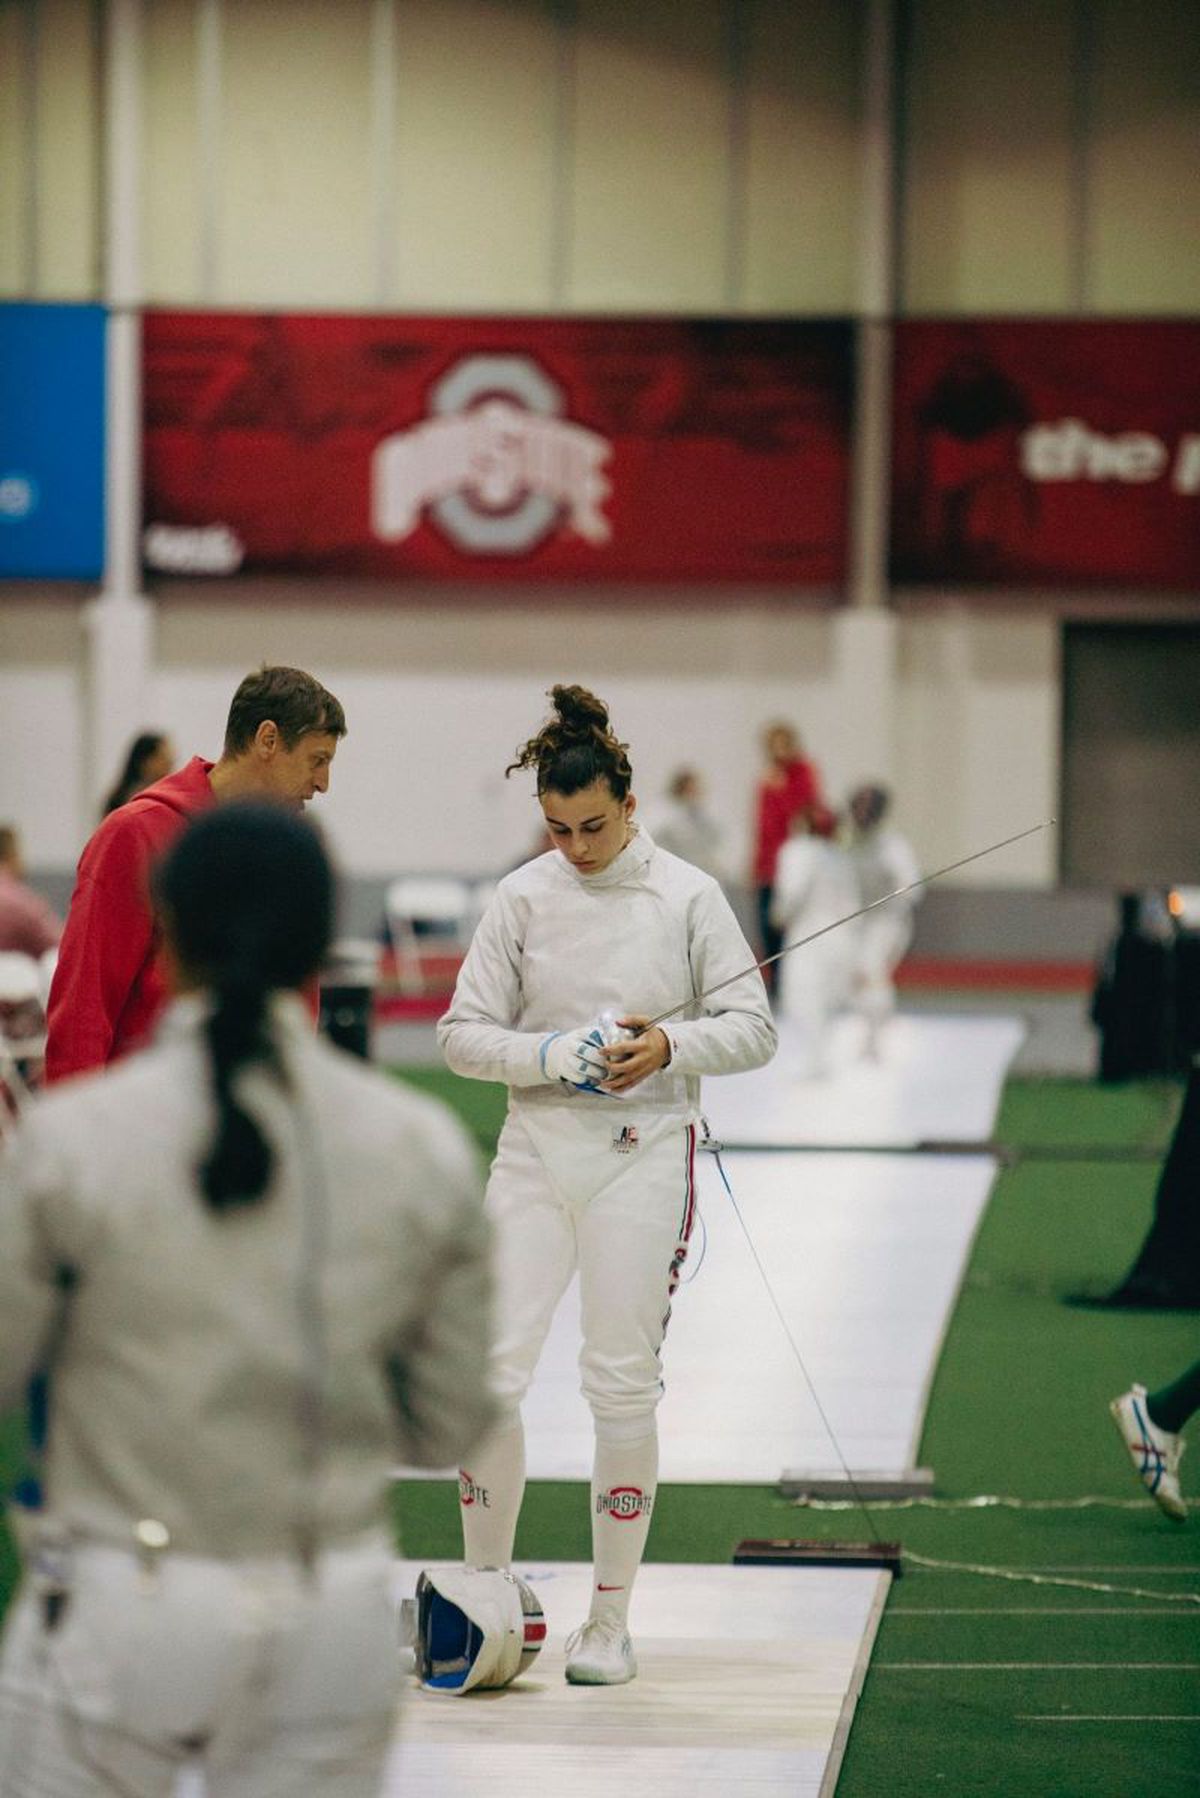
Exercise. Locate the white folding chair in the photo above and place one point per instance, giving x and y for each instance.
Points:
(22, 1032)
(443, 902)
(47, 962)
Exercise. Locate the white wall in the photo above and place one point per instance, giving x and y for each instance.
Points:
(684, 154)
(42, 672)
(978, 739)
(438, 696)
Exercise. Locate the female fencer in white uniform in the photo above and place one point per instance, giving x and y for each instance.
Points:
(258, 1272)
(595, 1165)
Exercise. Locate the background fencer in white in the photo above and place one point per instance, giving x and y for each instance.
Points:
(597, 1175)
(815, 885)
(278, 1285)
(883, 861)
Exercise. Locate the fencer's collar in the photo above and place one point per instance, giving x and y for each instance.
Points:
(623, 867)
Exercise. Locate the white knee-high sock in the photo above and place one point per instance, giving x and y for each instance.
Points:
(490, 1490)
(624, 1481)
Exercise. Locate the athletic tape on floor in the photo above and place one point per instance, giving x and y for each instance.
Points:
(909, 1557)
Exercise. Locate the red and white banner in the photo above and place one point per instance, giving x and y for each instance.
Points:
(604, 449)
(1047, 453)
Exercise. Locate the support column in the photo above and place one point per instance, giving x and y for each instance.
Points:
(876, 304)
(865, 657)
(866, 630)
(383, 148)
(119, 622)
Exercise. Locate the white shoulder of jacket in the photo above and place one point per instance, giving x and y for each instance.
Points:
(96, 1111)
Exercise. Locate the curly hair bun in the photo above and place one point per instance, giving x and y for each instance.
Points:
(579, 710)
(576, 747)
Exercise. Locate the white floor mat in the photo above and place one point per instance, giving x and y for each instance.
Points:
(744, 1675)
(937, 1079)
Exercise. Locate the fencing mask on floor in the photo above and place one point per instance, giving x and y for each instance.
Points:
(471, 1626)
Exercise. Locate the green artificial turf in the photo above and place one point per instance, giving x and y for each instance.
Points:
(990, 1687)
(479, 1103)
(1083, 1114)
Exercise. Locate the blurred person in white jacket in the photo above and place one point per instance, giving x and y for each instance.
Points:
(258, 1274)
(595, 1166)
(814, 886)
(883, 861)
(684, 826)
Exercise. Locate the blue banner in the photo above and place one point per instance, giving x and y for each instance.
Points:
(52, 442)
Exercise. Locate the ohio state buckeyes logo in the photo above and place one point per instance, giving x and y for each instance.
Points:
(497, 466)
(471, 1494)
(624, 1503)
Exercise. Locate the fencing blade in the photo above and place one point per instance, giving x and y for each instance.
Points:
(849, 918)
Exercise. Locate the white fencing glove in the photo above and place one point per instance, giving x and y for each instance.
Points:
(574, 1057)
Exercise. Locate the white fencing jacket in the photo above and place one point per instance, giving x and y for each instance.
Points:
(883, 861)
(555, 948)
(248, 1379)
(815, 886)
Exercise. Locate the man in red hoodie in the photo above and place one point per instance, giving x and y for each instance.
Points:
(109, 986)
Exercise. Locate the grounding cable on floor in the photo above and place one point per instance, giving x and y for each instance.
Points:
(983, 1501)
(891, 1555)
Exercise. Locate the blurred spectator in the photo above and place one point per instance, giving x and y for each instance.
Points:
(1165, 1275)
(815, 885)
(788, 784)
(1134, 998)
(882, 860)
(151, 757)
(685, 828)
(28, 926)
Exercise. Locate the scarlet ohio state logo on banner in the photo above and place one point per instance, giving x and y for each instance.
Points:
(1039, 452)
(606, 449)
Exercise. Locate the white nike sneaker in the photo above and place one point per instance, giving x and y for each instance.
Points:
(600, 1653)
(1155, 1453)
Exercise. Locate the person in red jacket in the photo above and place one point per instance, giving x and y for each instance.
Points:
(788, 785)
(110, 986)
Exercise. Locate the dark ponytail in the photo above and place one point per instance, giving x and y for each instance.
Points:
(247, 895)
(238, 1164)
(577, 747)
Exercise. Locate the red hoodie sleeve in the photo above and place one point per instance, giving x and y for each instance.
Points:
(108, 939)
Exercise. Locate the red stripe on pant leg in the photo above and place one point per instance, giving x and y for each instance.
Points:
(689, 1203)
(686, 1222)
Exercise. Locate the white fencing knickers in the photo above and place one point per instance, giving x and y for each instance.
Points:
(612, 1193)
(883, 941)
(813, 988)
(282, 1683)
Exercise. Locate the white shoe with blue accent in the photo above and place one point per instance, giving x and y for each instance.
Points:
(1155, 1453)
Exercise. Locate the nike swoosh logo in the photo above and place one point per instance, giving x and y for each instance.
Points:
(610, 1588)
